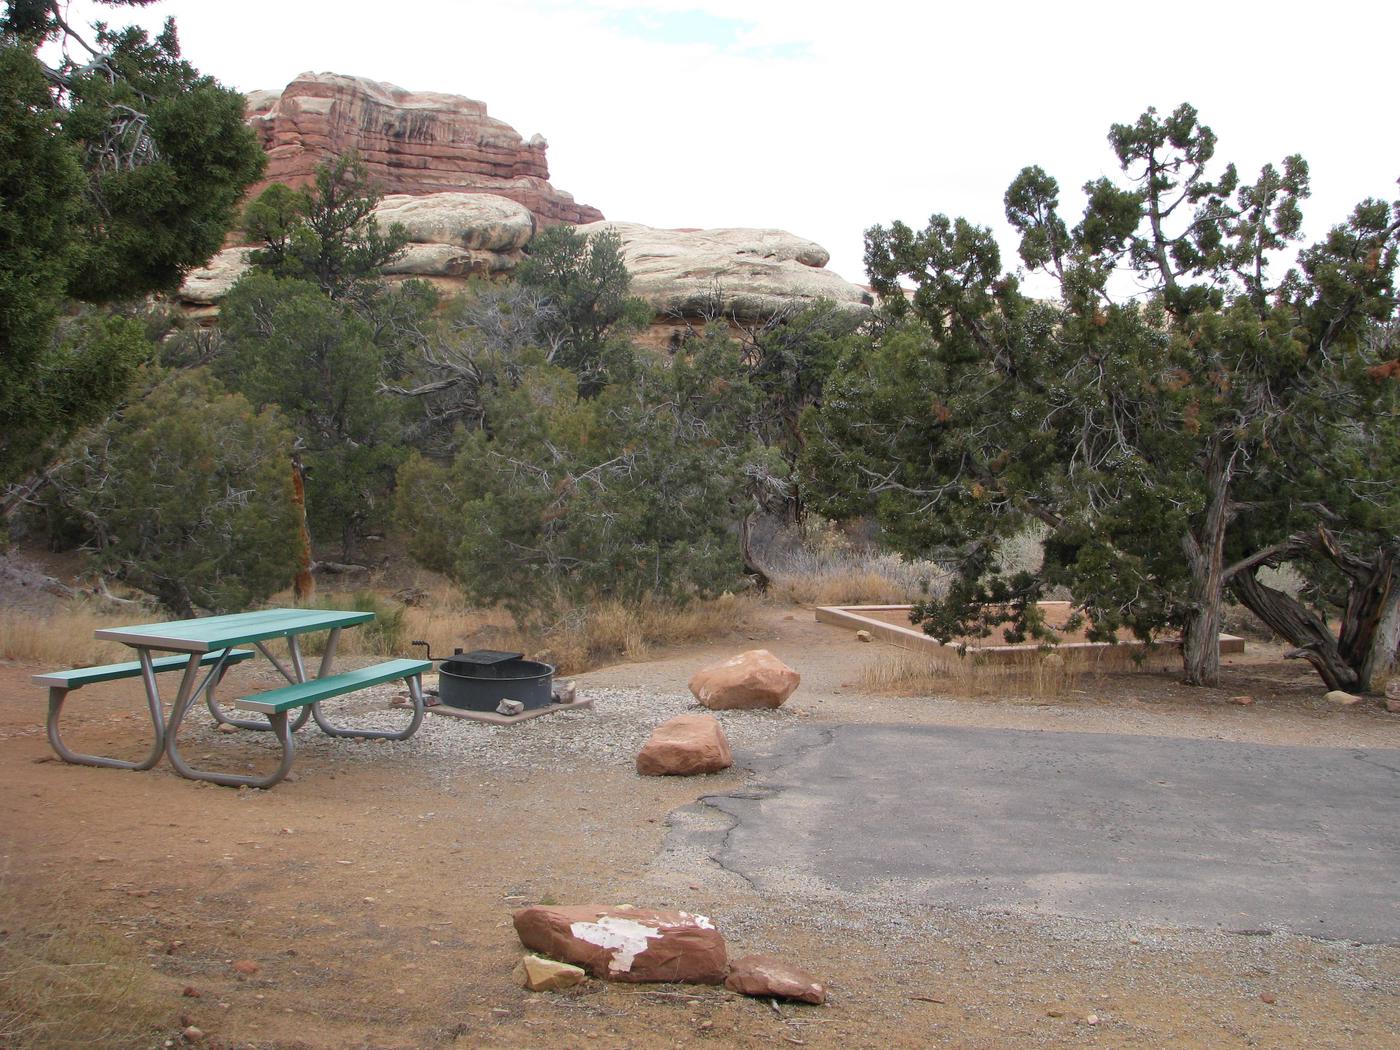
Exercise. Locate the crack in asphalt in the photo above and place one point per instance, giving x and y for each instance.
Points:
(785, 752)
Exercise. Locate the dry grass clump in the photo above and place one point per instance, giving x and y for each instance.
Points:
(611, 630)
(64, 638)
(577, 640)
(65, 982)
(822, 565)
(908, 672)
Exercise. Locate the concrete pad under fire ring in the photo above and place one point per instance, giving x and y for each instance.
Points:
(1197, 833)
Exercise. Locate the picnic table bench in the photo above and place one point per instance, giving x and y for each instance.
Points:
(210, 642)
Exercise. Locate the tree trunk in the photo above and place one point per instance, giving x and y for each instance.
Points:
(1363, 650)
(1294, 622)
(761, 579)
(1200, 639)
(1371, 597)
(1385, 647)
(305, 586)
(1205, 556)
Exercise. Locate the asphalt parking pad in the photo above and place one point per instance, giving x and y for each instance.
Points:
(1200, 833)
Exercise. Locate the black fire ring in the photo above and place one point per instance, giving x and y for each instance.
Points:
(480, 680)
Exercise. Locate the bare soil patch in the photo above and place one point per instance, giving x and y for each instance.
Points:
(374, 892)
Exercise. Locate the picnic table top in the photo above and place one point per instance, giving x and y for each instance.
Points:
(208, 633)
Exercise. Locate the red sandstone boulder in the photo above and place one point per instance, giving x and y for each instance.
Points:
(685, 746)
(769, 977)
(626, 944)
(753, 679)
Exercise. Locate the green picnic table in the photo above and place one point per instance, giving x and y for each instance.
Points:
(212, 643)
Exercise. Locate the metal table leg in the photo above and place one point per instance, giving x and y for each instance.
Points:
(295, 678)
(277, 723)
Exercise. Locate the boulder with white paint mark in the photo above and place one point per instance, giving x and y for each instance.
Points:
(624, 943)
(753, 679)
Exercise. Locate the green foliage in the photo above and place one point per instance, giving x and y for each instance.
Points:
(790, 359)
(1150, 437)
(326, 233)
(585, 282)
(90, 361)
(635, 492)
(41, 184)
(286, 344)
(117, 175)
(186, 495)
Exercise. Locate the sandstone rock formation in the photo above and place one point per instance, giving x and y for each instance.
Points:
(411, 142)
(625, 943)
(753, 679)
(768, 977)
(747, 274)
(472, 193)
(457, 234)
(685, 746)
(209, 284)
(451, 235)
(464, 220)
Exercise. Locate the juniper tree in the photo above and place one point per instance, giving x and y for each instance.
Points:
(284, 343)
(1136, 428)
(638, 491)
(185, 494)
(121, 167)
(584, 281)
(327, 232)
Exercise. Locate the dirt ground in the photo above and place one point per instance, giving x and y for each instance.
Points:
(376, 903)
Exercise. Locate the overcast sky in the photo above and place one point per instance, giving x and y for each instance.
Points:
(826, 118)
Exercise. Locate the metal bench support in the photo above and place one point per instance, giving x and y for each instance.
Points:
(159, 730)
(56, 697)
(277, 723)
(415, 690)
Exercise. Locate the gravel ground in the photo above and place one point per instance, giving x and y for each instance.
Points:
(609, 735)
